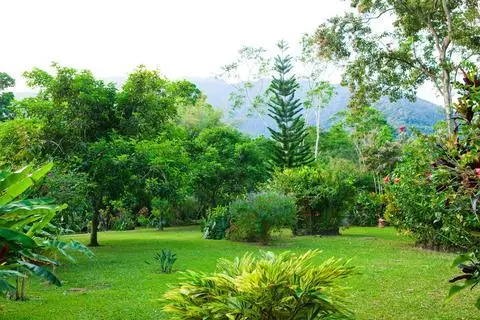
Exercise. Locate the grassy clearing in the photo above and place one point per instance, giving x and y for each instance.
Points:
(396, 281)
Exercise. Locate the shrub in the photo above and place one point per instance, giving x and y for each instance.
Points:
(162, 214)
(368, 208)
(435, 214)
(259, 214)
(123, 219)
(287, 286)
(143, 221)
(323, 195)
(188, 211)
(216, 224)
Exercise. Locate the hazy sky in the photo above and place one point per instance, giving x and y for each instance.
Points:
(183, 38)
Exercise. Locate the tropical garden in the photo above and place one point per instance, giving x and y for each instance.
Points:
(143, 201)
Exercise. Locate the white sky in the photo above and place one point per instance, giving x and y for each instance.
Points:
(183, 38)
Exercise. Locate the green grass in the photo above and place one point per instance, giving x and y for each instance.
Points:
(396, 280)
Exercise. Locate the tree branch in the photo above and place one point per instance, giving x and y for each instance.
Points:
(448, 14)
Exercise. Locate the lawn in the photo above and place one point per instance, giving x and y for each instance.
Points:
(395, 280)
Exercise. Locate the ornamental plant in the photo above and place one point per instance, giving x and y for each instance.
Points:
(282, 287)
(216, 224)
(26, 241)
(323, 195)
(257, 216)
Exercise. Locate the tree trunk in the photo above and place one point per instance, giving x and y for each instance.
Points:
(447, 99)
(317, 139)
(93, 233)
(24, 279)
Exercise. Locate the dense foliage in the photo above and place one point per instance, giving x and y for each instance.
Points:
(242, 289)
(217, 223)
(152, 152)
(259, 214)
(323, 195)
(26, 236)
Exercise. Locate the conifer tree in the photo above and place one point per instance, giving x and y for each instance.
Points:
(290, 149)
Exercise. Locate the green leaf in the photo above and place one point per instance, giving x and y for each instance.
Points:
(41, 272)
(17, 237)
(40, 173)
(457, 288)
(462, 258)
(5, 286)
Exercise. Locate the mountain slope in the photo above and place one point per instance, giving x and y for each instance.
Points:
(420, 114)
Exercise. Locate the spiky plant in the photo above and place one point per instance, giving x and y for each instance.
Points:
(281, 287)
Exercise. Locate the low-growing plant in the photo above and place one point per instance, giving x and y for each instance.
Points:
(166, 259)
(259, 214)
(281, 287)
(469, 264)
(123, 218)
(216, 224)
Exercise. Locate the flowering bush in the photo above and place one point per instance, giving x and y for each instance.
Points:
(436, 186)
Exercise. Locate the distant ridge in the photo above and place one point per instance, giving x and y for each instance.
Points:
(420, 114)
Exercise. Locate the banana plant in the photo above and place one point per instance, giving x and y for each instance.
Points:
(23, 239)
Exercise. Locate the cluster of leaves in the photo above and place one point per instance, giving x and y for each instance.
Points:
(166, 259)
(285, 286)
(26, 244)
(217, 223)
(469, 264)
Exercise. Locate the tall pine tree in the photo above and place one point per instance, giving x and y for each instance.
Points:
(290, 149)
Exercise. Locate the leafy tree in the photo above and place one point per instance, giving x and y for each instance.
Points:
(75, 108)
(425, 41)
(373, 139)
(198, 117)
(22, 141)
(148, 100)
(226, 164)
(6, 98)
(113, 169)
(333, 143)
(318, 91)
(253, 66)
(71, 187)
(290, 148)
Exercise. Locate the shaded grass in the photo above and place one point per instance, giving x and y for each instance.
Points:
(396, 280)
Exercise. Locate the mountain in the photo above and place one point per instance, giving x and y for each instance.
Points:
(420, 114)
